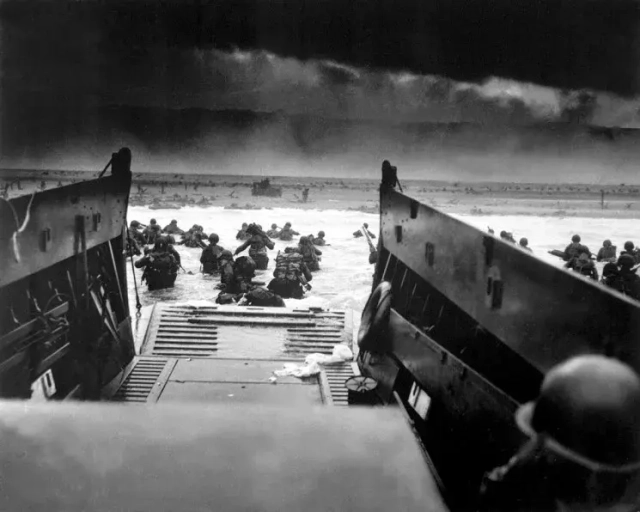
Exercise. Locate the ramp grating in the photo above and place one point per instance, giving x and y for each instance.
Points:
(140, 381)
(337, 375)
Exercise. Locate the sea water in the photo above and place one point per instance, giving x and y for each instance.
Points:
(344, 280)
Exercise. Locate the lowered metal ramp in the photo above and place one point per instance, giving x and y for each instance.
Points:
(213, 353)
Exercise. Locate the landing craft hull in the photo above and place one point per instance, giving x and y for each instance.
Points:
(476, 322)
(64, 317)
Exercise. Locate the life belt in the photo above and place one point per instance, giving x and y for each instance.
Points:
(375, 319)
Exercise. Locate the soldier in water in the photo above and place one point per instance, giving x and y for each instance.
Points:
(607, 252)
(160, 267)
(524, 244)
(257, 244)
(583, 451)
(575, 248)
(287, 233)
(319, 240)
(358, 233)
(309, 253)
(173, 229)
(583, 265)
(210, 255)
(630, 249)
(274, 232)
(242, 234)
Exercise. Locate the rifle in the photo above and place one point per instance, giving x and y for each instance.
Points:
(373, 252)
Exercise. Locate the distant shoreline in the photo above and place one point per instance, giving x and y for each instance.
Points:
(359, 194)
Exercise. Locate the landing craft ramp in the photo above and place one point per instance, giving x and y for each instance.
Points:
(210, 352)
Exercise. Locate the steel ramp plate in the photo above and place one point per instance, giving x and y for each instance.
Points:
(212, 353)
(212, 330)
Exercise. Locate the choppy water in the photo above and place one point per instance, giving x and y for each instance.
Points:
(345, 278)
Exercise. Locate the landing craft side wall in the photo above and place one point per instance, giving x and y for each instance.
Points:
(545, 314)
(51, 233)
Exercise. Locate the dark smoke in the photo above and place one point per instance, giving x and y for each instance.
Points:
(562, 43)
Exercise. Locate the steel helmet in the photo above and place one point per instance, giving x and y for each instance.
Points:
(225, 255)
(626, 261)
(152, 221)
(134, 224)
(274, 226)
(174, 221)
(606, 243)
(366, 225)
(214, 238)
(524, 241)
(170, 239)
(590, 406)
(303, 240)
(628, 246)
(575, 238)
(320, 234)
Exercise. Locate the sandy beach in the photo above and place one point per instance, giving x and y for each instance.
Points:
(235, 192)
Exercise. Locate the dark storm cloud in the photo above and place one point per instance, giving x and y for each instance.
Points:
(562, 43)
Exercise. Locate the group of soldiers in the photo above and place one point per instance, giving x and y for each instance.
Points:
(619, 272)
(508, 237)
(294, 265)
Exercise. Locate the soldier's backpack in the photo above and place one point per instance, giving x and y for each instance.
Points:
(163, 262)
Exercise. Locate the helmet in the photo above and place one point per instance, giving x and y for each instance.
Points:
(503, 234)
(585, 424)
(225, 255)
(606, 243)
(274, 226)
(174, 221)
(590, 406)
(610, 269)
(287, 225)
(246, 265)
(170, 239)
(575, 238)
(244, 225)
(152, 221)
(524, 242)
(160, 245)
(628, 246)
(320, 234)
(214, 238)
(366, 225)
(303, 240)
(134, 224)
(626, 261)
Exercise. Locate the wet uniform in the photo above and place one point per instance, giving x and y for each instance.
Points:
(257, 250)
(607, 253)
(287, 234)
(209, 258)
(173, 229)
(160, 269)
(291, 276)
(310, 255)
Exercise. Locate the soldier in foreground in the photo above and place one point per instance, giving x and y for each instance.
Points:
(160, 267)
(583, 452)
(291, 276)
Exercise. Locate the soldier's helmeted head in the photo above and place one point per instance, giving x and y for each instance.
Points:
(607, 243)
(366, 225)
(134, 224)
(287, 225)
(303, 240)
(174, 221)
(170, 239)
(610, 269)
(320, 234)
(524, 242)
(629, 246)
(225, 255)
(585, 426)
(576, 239)
(214, 238)
(160, 245)
(274, 226)
(626, 261)
(152, 221)
(245, 225)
